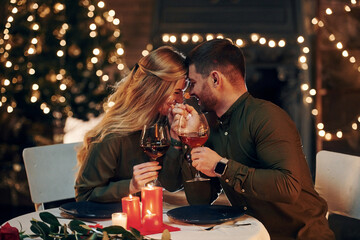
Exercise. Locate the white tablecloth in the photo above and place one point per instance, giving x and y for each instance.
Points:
(254, 231)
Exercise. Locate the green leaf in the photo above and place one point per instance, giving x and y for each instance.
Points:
(135, 232)
(54, 229)
(74, 225)
(126, 235)
(49, 218)
(114, 230)
(40, 228)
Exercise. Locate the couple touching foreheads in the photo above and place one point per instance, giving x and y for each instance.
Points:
(254, 152)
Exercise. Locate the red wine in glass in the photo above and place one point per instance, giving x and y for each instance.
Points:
(193, 131)
(155, 141)
(194, 140)
(155, 151)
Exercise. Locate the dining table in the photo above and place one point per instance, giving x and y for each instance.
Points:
(244, 227)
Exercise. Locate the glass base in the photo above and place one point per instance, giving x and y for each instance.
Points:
(198, 179)
(155, 183)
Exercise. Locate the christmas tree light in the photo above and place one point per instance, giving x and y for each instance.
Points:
(63, 48)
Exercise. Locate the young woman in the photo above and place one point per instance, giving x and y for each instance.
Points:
(111, 163)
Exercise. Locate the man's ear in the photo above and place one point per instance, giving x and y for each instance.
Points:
(215, 78)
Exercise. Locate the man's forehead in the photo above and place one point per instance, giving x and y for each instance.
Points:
(193, 74)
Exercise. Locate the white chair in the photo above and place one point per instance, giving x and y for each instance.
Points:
(50, 172)
(337, 180)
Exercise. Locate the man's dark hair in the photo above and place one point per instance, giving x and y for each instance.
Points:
(217, 54)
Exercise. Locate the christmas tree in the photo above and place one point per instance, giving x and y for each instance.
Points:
(58, 59)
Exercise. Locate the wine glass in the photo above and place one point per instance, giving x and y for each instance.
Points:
(155, 141)
(193, 130)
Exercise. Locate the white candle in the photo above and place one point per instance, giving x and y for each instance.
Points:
(119, 219)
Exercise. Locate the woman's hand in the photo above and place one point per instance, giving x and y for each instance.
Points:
(183, 116)
(142, 174)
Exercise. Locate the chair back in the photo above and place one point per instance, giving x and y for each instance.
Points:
(50, 172)
(337, 180)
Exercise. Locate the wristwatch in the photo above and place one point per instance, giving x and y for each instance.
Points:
(221, 167)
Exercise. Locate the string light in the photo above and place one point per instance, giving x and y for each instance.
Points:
(282, 43)
(345, 53)
(209, 37)
(262, 40)
(272, 43)
(185, 38)
(166, 38)
(300, 39)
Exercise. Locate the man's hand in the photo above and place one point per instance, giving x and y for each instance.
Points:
(204, 159)
(142, 174)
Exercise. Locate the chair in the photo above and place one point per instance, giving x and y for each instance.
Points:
(50, 172)
(337, 180)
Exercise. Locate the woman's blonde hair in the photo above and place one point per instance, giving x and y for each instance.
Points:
(138, 97)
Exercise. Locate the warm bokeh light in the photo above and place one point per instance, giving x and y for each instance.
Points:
(302, 59)
(332, 37)
(209, 37)
(239, 42)
(282, 43)
(304, 86)
(321, 133)
(339, 134)
(314, 21)
(300, 39)
(101, 4)
(314, 112)
(328, 136)
(165, 38)
(185, 38)
(35, 86)
(339, 45)
(320, 126)
(120, 51)
(312, 92)
(195, 38)
(328, 11)
(173, 39)
(96, 51)
(272, 43)
(308, 99)
(262, 40)
(254, 37)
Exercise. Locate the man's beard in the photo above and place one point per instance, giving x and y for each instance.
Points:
(207, 100)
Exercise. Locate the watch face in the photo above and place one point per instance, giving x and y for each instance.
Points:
(220, 168)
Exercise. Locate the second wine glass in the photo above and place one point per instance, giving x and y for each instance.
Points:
(155, 141)
(193, 131)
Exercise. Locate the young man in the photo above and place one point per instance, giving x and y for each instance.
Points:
(254, 150)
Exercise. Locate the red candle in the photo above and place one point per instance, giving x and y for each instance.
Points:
(152, 200)
(151, 222)
(131, 206)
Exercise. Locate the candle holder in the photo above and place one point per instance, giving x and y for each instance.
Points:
(119, 219)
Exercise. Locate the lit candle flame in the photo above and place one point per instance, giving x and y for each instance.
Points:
(130, 196)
